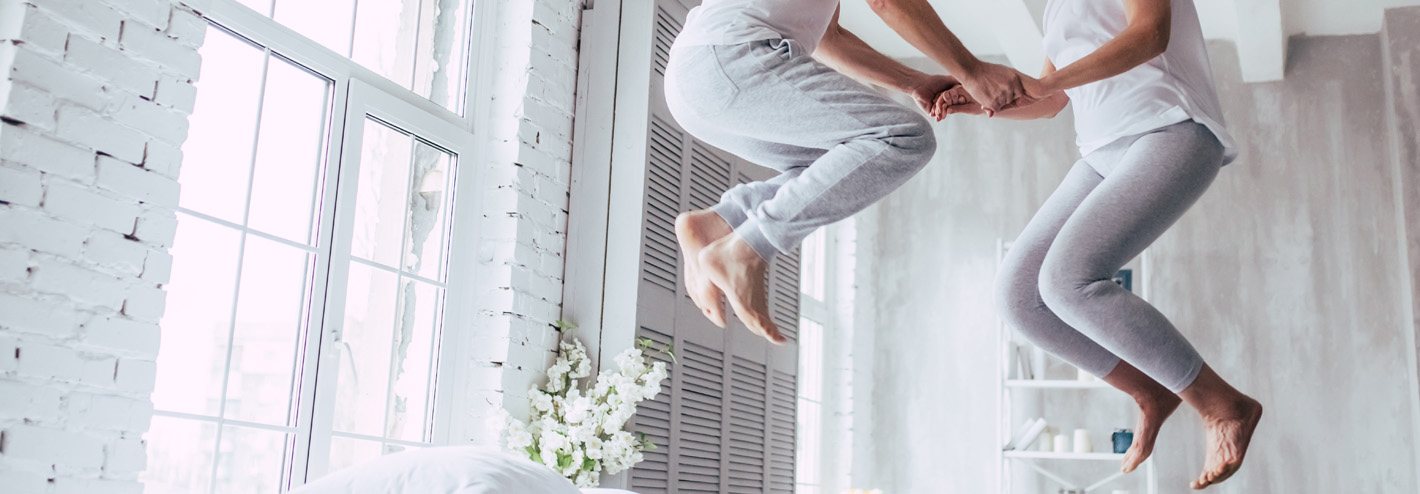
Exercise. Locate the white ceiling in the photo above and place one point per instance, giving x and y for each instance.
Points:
(973, 22)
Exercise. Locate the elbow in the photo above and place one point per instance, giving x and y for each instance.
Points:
(1158, 42)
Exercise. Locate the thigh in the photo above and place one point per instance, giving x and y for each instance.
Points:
(791, 99)
(1028, 251)
(1150, 187)
(774, 155)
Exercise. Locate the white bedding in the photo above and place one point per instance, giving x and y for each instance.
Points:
(455, 469)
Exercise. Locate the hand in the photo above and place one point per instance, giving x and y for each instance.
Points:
(994, 86)
(955, 101)
(926, 88)
(1034, 90)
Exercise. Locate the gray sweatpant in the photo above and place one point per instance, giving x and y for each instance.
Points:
(839, 146)
(1055, 285)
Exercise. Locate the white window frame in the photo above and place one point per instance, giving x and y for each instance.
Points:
(823, 313)
(355, 92)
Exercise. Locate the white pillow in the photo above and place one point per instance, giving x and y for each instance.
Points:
(454, 469)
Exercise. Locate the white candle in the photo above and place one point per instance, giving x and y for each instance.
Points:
(1082, 441)
(1062, 443)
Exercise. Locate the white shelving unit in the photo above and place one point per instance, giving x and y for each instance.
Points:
(1041, 461)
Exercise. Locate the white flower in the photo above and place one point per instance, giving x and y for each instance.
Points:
(551, 440)
(518, 437)
(540, 401)
(583, 423)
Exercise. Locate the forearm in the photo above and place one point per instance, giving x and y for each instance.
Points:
(849, 54)
(1129, 49)
(1046, 108)
(918, 23)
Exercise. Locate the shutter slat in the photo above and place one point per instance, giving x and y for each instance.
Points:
(661, 252)
(698, 452)
(667, 27)
(746, 425)
(782, 435)
(653, 418)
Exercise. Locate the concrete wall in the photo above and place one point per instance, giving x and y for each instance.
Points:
(94, 98)
(1401, 45)
(1288, 277)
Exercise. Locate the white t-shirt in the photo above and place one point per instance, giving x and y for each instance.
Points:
(1174, 87)
(727, 22)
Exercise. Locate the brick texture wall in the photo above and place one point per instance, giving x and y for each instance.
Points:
(528, 171)
(94, 100)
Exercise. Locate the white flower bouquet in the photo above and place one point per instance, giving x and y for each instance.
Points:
(578, 432)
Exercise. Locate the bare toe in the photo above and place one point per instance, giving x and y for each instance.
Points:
(694, 231)
(734, 267)
(1229, 429)
(1154, 410)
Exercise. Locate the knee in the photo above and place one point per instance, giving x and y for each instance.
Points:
(1017, 295)
(1064, 284)
(914, 140)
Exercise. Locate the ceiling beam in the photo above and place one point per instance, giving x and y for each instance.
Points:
(1016, 31)
(1262, 40)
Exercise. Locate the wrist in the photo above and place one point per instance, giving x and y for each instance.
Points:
(968, 69)
(1051, 84)
(909, 80)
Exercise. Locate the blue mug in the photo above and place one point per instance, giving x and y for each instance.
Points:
(1123, 438)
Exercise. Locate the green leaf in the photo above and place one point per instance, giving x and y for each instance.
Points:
(590, 465)
(563, 325)
(532, 454)
(564, 460)
(670, 352)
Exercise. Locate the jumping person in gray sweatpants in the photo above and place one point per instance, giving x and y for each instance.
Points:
(742, 78)
(1150, 128)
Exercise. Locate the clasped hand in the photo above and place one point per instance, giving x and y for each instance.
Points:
(1004, 88)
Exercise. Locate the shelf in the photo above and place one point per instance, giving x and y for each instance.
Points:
(1046, 455)
(1055, 384)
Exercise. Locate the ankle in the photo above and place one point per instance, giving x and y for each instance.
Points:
(704, 222)
(1160, 398)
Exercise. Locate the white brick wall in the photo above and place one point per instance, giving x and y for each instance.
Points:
(94, 99)
(528, 172)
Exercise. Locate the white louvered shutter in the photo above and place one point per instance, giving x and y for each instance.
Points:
(725, 420)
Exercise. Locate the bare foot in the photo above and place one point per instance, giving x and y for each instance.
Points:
(1154, 409)
(738, 270)
(695, 230)
(1229, 428)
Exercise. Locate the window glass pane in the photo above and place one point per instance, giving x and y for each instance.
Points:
(270, 324)
(812, 267)
(385, 37)
(195, 326)
(441, 70)
(810, 447)
(421, 305)
(289, 156)
(345, 452)
(327, 22)
(251, 460)
(383, 193)
(422, 45)
(430, 202)
(810, 359)
(179, 456)
(367, 342)
(218, 151)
